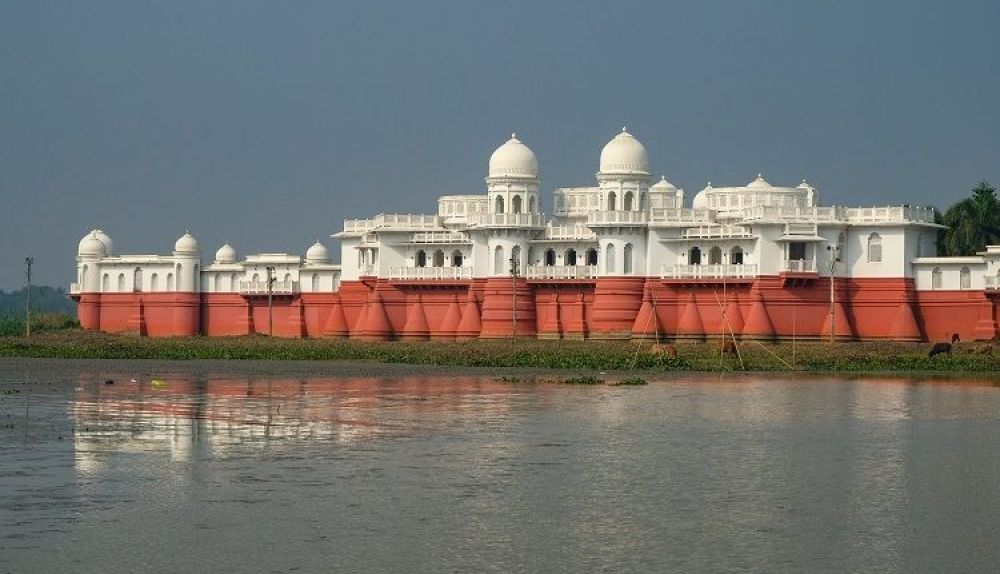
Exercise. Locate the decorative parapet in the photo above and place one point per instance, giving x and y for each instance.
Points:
(430, 273)
(259, 288)
(561, 272)
(531, 220)
(708, 271)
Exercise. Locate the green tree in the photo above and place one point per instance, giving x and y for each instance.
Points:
(973, 223)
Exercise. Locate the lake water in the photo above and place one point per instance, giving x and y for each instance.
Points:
(309, 467)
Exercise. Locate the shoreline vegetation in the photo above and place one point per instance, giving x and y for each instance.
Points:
(803, 356)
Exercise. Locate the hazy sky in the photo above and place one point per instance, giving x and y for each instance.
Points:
(268, 123)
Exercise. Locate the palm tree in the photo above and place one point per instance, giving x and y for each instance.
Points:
(973, 223)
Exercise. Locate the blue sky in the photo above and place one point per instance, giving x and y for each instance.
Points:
(268, 123)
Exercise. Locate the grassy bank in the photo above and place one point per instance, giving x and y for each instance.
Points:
(847, 357)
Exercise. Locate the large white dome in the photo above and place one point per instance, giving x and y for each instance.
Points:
(186, 244)
(318, 253)
(91, 246)
(225, 254)
(513, 159)
(624, 155)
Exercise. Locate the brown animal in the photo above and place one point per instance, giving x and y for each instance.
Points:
(668, 350)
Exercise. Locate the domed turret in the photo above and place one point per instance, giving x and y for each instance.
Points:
(663, 185)
(108, 244)
(186, 245)
(700, 200)
(624, 155)
(225, 254)
(513, 159)
(91, 246)
(759, 183)
(318, 253)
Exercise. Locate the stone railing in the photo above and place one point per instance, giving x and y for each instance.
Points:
(681, 215)
(506, 220)
(992, 283)
(570, 232)
(891, 214)
(431, 273)
(277, 287)
(561, 271)
(708, 271)
(391, 221)
(801, 229)
(617, 218)
(439, 237)
(798, 266)
(717, 232)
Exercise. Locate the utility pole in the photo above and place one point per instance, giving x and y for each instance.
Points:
(270, 293)
(27, 303)
(514, 262)
(834, 257)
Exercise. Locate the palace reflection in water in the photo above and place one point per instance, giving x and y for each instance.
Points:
(441, 472)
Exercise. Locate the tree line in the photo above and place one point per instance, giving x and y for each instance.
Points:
(973, 223)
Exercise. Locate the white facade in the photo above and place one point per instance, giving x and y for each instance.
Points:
(628, 225)
(101, 270)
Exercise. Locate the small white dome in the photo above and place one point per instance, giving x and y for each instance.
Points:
(700, 200)
(100, 236)
(108, 244)
(624, 155)
(805, 185)
(513, 159)
(225, 254)
(759, 183)
(91, 246)
(663, 185)
(318, 253)
(186, 244)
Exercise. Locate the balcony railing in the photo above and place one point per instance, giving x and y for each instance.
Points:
(439, 237)
(892, 214)
(431, 273)
(798, 266)
(662, 215)
(277, 288)
(992, 283)
(506, 220)
(562, 271)
(391, 221)
(708, 271)
(617, 218)
(367, 271)
(717, 232)
(570, 232)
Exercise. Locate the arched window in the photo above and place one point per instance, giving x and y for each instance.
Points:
(179, 280)
(570, 257)
(515, 204)
(106, 283)
(499, 205)
(456, 258)
(315, 282)
(694, 256)
(531, 204)
(438, 258)
(612, 202)
(627, 258)
(421, 259)
(170, 281)
(965, 279)
(137, 279)
(609, 259)
(937, 278)
(627, 201)
(736, 255)
(218, 283)
(498, 263)
(874, 248)
(154, 282)
(642, 201)
(121, 282)
(715, 256)
(592, 256)
(550, 257)
(233, 282)
(515, 256)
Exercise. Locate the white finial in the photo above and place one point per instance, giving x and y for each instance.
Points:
(709, 184)
(513, 135)
(624, 129)
(760, 176)
(663, 178)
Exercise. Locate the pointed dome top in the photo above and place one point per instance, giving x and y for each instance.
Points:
(624, 155)
(663, 185)
(318, 253)
(186, 244)
(759, 183)
(92, 246)
(225, 254)
(513, 159)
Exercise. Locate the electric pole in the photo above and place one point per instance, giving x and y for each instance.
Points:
(270, 293)
(27, 302)
(834, 257)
